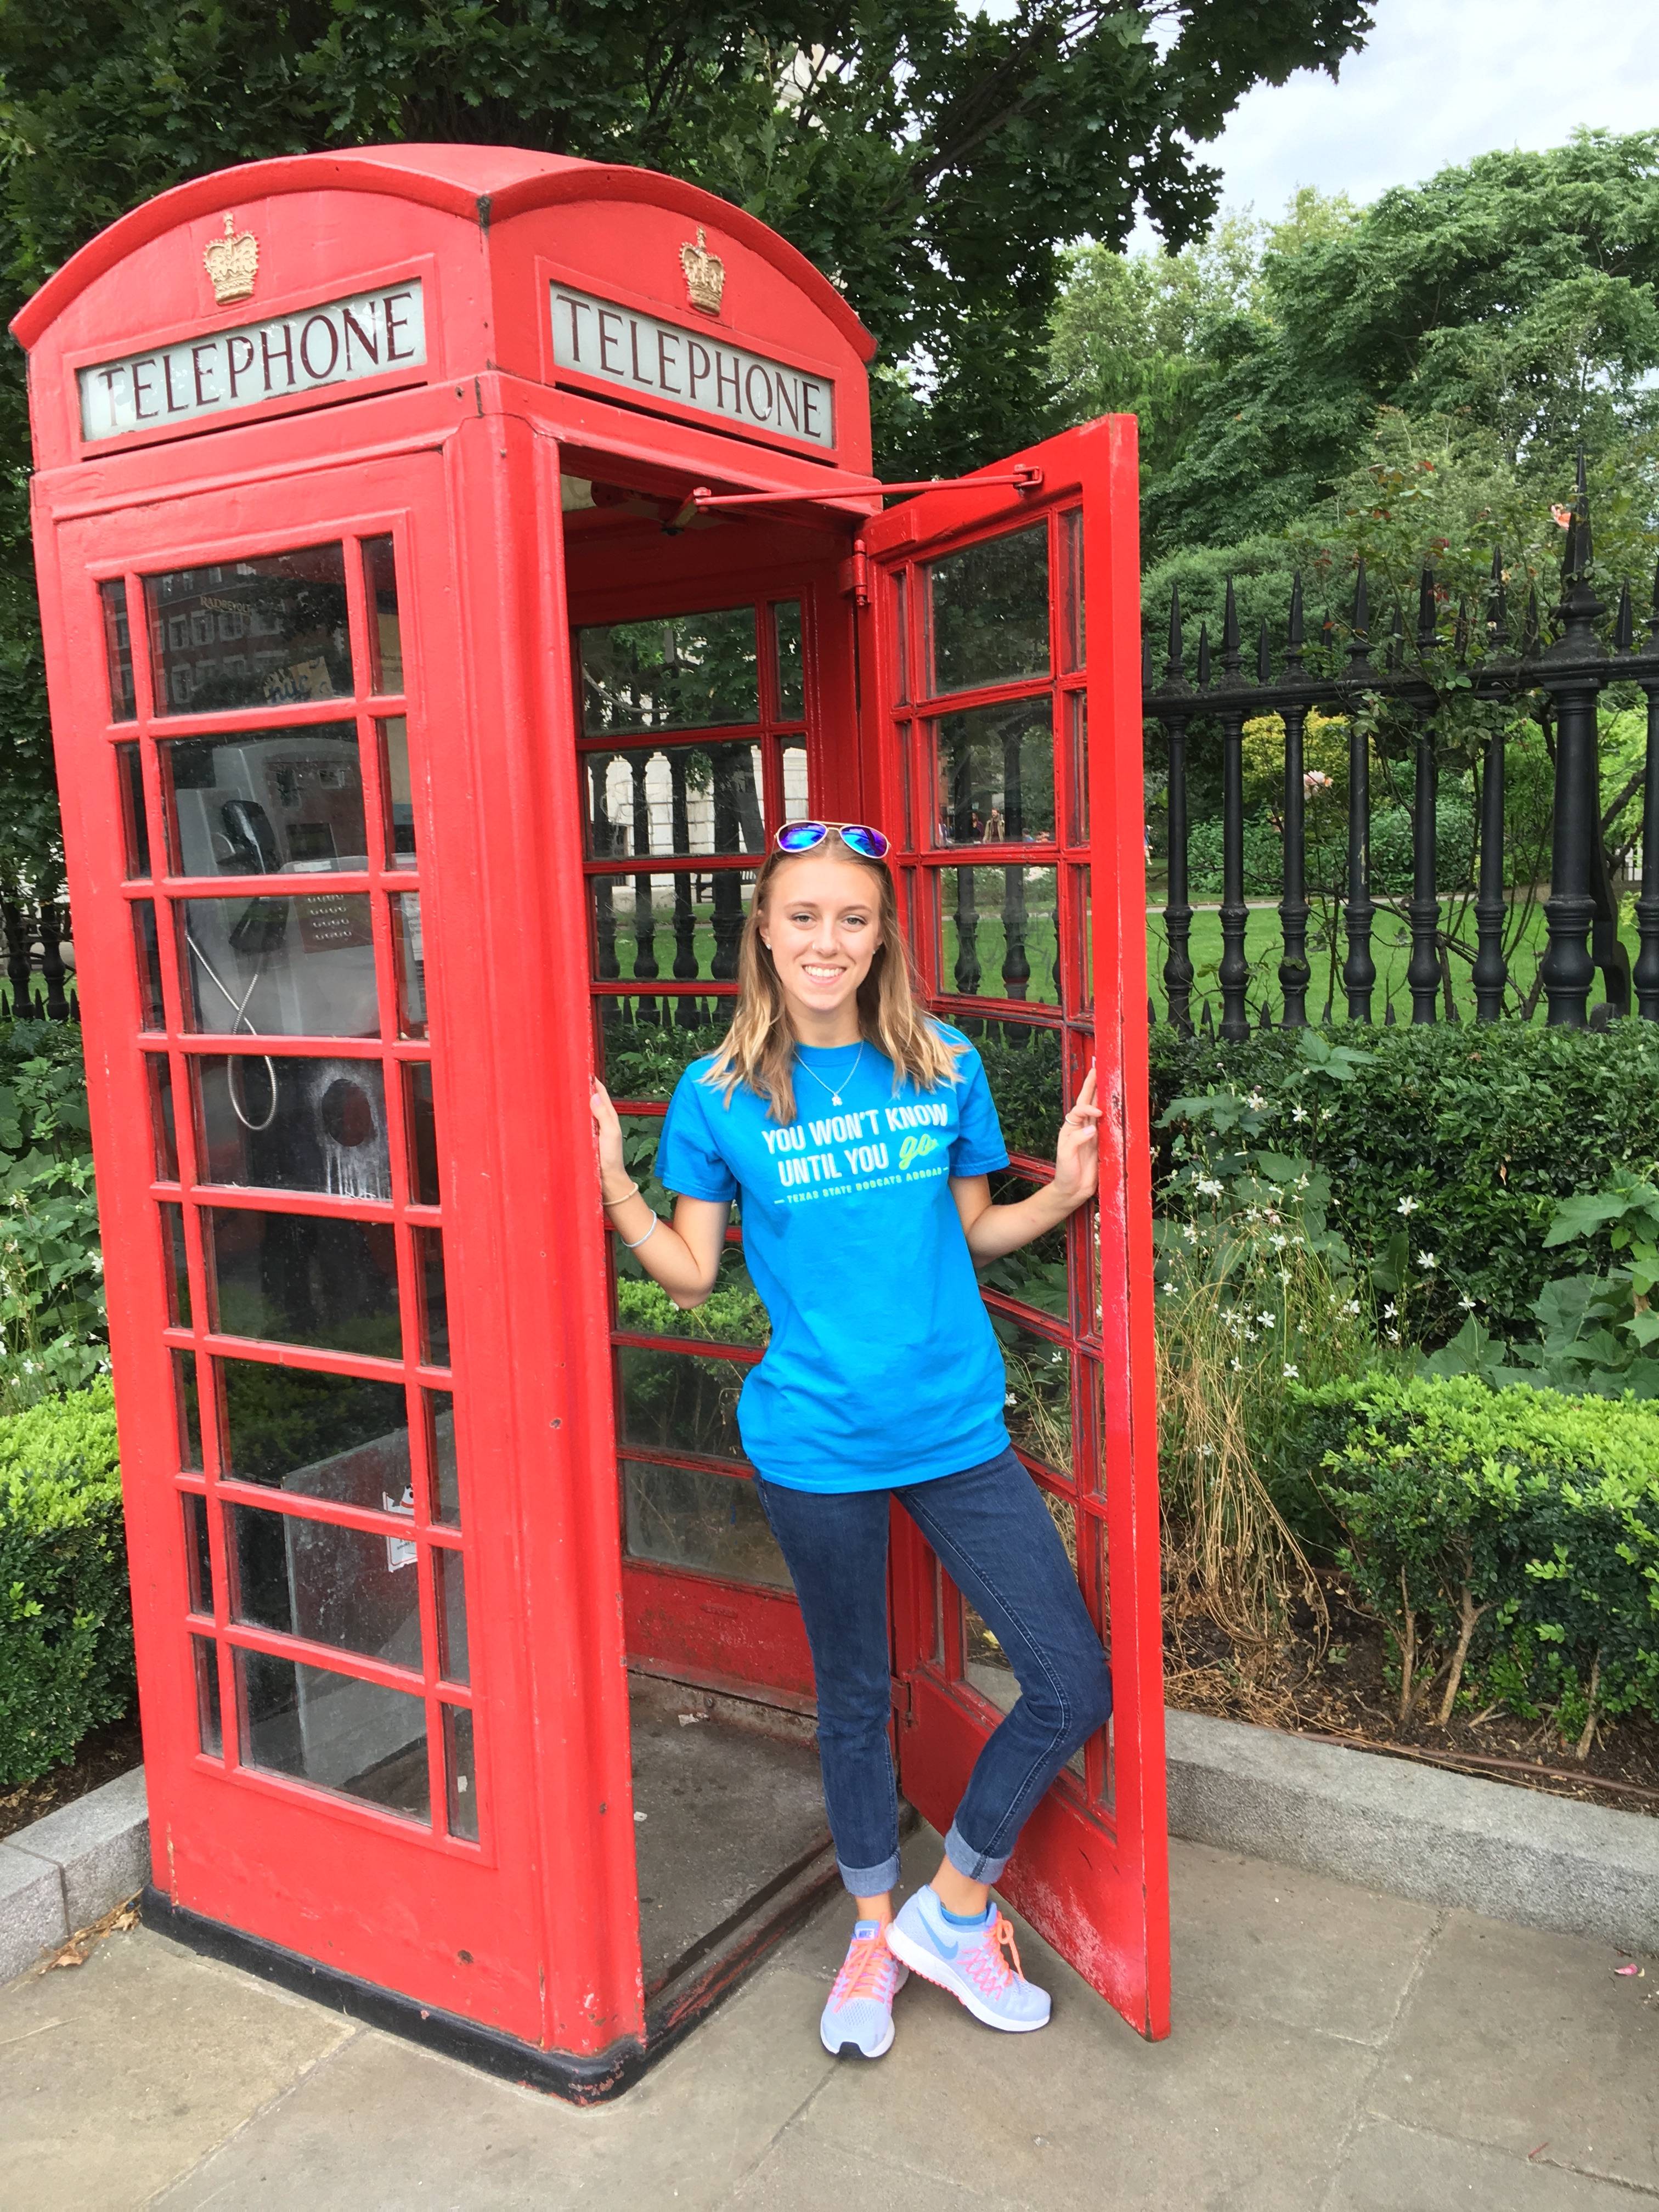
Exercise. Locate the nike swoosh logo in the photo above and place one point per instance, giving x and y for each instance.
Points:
(939, 1945)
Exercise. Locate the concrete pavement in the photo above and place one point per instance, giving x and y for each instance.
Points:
(1334, 2050)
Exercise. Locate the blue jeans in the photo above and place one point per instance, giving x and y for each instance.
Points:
(997, 1541)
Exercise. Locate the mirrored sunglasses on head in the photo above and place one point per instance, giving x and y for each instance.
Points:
(806, 836)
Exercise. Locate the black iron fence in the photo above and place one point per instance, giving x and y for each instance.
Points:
(37, 981)
(1409, 686)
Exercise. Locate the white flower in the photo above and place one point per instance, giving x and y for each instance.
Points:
(1284, 1276)
(1279, 1240)
(1236, 1364)
(1393, 1335)
(1010, 1399)
(1256, 1102)
(97, 1263)
(1466, 1303)
(1208, 1187)
(1290, 1372)
(1427, 1259)
(1408, 1205)
(1171, 1289)
(1390, 1313)
(1189, 1232)
(1299, 1112)
(1352, 1306)
(1205, 1451)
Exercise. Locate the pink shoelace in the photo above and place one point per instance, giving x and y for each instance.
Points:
(995, 1959)
(869, 1969)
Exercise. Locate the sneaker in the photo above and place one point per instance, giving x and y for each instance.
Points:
(859, 2016)
(979, 1965)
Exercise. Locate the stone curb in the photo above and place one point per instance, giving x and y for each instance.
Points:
(65, 1871)
(1417, 1831)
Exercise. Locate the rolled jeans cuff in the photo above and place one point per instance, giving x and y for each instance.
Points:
(872, 1880)
(977, 1866)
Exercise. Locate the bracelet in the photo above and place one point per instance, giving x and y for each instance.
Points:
(632, 1191)
(646, 1239)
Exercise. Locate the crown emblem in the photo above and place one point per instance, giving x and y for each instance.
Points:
(705, 274)
(233, 262)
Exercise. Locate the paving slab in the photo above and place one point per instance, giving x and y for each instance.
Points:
(1389, 2168)
(1276, 1944)
(383, 2126)
(799, 2174)
(1515, 2039)
(116, 2075)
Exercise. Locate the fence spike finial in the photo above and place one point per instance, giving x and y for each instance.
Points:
(1173, 671)
(1653, 627)
(1623, 626)
(1264, 655)
(1146, 663)
(1294, 642)
(1497, 612)
(1426, 612)
(1579, 608)
(1204, 656)
(1461, 633)
(1359, 639)
(1530, 626)
(1231, 659)
(1396, 653)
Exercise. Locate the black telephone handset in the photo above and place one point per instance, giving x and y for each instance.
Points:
(252, 840)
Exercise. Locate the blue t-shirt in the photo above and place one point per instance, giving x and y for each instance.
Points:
(882, 1367)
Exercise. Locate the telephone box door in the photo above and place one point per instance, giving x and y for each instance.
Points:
(319, 1518)
(1004, 623)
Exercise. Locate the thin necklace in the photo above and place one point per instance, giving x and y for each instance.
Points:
(835, 1095)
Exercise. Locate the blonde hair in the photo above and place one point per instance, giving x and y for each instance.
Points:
(759, 1049)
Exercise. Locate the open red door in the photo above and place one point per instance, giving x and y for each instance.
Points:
(1003, 637)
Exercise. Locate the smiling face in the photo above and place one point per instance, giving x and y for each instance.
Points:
(822, 926)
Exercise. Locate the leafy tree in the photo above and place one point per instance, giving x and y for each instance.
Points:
(932, 159)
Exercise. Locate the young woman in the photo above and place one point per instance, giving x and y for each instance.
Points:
(860, 1133)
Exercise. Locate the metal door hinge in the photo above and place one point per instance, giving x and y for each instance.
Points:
(904, 1710)
(855, 575)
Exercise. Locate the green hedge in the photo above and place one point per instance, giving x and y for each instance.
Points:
(65, 1615)
(1521, 1524)
(1486, 1128)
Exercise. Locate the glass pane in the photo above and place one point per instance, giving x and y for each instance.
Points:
(645, 1044)
(210, 1729)
(1074, 633)
(1023, 1066)
(439, 1407)
(796, 805)
(266, 802)
(265, 632)
(282, 967)
(129, 769)
(733, 1314)
(337, 1732)
(1038, 1403)
(187, 1405)
(409, 947)
(786, 629)
(673, 1401)
(1036, 1273)
(330, 1585)
(458, 1766)
(1077, 713)
(286, 1124)
(996, 775)
(385, 635)
(901, 632)
(434, 1298)
(682, 926)
(988, 612)
(399, 797)
(178, 1267)
(118, 650)
(304, 1279)
(450, 1576)
(680, 799)
(199, 1557)
(1083, 903)
(151, 1014)
(158, 1071)
(688, 1517)
(421, 1117)
(997, 933)
(688, 673)
(325, 1435)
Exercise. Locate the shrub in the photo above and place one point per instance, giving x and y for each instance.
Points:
(65, 1617)
(1508, 1540)
(1485, 1130)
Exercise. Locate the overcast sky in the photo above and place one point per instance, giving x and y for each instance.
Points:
(1438, 82)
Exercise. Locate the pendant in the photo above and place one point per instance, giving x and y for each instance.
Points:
(834, 1097)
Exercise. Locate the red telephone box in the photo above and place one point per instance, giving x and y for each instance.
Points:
(418, 732)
